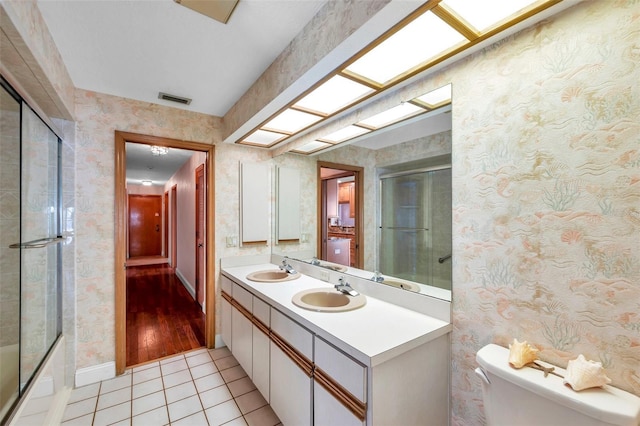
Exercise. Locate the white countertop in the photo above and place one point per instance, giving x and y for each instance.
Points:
(372, 334)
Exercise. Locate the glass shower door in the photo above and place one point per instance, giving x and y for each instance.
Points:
(40, 304)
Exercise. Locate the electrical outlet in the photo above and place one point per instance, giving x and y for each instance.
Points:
(323, 275)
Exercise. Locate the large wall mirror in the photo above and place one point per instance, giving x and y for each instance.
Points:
(379, 206)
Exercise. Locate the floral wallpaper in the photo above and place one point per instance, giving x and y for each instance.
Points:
(546, 178)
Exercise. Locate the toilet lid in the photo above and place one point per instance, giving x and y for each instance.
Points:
(607, 404)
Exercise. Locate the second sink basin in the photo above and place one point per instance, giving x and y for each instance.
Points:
(327, 300)
(272, 276)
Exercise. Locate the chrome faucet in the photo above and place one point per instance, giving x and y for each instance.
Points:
(377, 277)
(315, 261)
(286, 267)
(345, 288)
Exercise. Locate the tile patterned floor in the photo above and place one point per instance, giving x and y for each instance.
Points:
(202, 387)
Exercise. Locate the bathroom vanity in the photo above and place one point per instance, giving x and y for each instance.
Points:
(379, 364)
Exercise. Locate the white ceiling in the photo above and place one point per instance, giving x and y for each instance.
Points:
(137, 48)
(142, 165)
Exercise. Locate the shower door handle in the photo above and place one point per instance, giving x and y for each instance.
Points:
(443, 258)
(39, 243)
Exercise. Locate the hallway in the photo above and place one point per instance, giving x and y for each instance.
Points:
(162, 317)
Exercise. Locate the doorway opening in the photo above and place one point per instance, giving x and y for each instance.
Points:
(173, 229)
(340, 214)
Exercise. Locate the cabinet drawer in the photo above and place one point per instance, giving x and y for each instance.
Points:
(261, 310)
(343, 369)
(243, 297)
(294, 334)
(227, 285)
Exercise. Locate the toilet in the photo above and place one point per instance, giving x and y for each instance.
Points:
(525, 397)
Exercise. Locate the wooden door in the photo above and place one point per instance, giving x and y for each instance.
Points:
(200, 235)
(145, 219)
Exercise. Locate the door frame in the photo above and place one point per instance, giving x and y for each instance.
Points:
(359, 216)
(173, 229)
(165, 224)
(199, 171)
(121, 138)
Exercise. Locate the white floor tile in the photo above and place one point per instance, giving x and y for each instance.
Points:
(184, 408)
(176, 378)
(215, 396)
(209, 382)
(236, 422)
(85, 420)
(196, 352)
(80, 408)
(145, 366)
(222, 413)
(199, 359)
(115, 383)
(112, 414)
(84, 392)
(148, 403)
(110, 399)
(173, 367)
(197, 419)
(155, 417)
(145, 375)
(203, 369)
(145, 388)
(179, 392)
(172, 359)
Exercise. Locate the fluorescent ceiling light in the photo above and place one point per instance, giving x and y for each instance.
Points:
(312, 146)
(485, 14)
(392, 115)
(344, 134)
(263, 137)
(436, 97)
(422, 39)
(291, 121)
(333, 95)
(147, 183)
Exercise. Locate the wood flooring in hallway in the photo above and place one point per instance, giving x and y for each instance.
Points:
(162, 317)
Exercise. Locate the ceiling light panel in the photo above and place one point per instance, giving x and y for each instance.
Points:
(423, 39)
(487, 13)
(333, 95)
(291, 121)
(436, 97)
(263, 137)
(312, 146)
(344, 134)
(393, 115)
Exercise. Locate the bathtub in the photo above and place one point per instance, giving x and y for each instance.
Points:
(9, 364)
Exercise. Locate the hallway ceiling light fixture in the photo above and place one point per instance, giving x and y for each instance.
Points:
(417, 106)
(450, 26)
(159, 150)
(147, 183)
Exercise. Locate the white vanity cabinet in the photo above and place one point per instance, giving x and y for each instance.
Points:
(339, 387)
(261, 346)
(242, 328)
(291, 370)
(226, 311)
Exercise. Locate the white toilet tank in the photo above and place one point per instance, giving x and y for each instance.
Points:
(525, 397)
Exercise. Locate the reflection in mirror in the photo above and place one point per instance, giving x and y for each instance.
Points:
(417, 145)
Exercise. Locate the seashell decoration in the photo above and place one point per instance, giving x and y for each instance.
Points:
(521, 354)
(584, 374)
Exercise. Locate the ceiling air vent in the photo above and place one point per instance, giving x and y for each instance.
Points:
(174, 98)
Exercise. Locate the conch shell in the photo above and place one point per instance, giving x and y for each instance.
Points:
(521, 353)
(583, 374)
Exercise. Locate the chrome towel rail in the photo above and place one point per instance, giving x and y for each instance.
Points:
(39, 243)
(443, 258)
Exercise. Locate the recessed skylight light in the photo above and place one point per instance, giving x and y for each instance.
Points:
(424, 38)
(291, 121)
(392, 115)
(334, 94)
(436, 97)
(312, 146)
(485, 14)
(263, 137)
(344, 134)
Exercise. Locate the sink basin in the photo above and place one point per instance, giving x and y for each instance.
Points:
(272, 276)
(327, 300)
(405, 285)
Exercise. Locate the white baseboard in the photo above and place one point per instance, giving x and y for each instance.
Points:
(186, 284)
(219, 343)
(96, 373)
